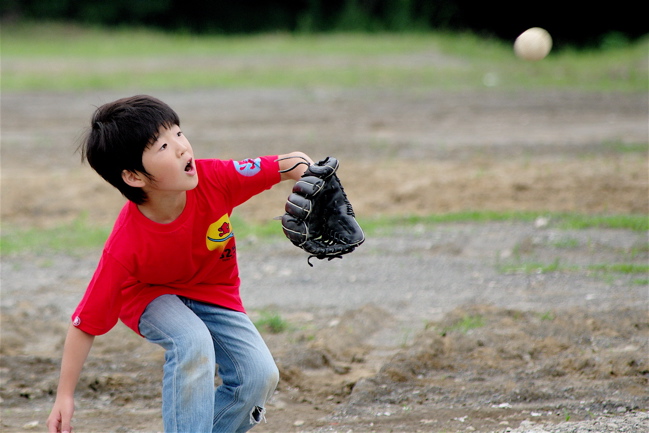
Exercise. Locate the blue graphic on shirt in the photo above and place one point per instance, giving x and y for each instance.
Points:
(248, 167)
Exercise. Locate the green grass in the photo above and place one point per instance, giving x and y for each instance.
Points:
(465, 324)
(621, 147)
(59, 57)
(81, 235)
(621, 268)
(567, 221)
(387, 225)
(271, 322)
(568, 243)
(245, 229)
(548, 316)
(630, 222)
(531, 267)
(72, 238)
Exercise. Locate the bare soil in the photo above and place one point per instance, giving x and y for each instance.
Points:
(424, 329)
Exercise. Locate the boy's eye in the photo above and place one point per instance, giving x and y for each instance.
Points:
(163, 147)
(180, 133)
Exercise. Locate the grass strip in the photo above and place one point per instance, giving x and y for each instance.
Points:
(71, 238)
(64, 57)
(522, 267)
(621, 268)
(80, 235)
(566, 221)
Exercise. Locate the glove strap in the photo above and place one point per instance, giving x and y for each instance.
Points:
(305, 162)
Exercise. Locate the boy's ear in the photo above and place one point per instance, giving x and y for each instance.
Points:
(133, 178)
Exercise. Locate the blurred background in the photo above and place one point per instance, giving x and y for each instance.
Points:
(576, 22)
(401, 82)
(481, 181)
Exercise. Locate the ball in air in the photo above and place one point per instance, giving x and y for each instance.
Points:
(533, 44)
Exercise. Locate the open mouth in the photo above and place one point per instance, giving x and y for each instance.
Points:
(189, 166)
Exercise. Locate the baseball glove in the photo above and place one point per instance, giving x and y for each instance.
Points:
(319, 218)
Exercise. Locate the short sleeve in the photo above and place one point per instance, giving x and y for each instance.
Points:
(99, 309)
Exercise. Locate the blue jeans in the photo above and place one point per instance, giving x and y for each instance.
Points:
(196, 337)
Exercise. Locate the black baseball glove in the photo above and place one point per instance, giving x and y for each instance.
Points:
(319, 218)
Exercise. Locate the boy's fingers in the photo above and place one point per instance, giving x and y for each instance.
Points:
(58, 425)
(66, 427)
(53, 424)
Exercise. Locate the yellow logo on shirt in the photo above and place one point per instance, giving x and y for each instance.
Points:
(218, 234)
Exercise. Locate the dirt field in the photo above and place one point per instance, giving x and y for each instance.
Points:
(430, 329)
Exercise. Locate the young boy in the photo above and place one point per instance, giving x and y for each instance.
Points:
(169, 270)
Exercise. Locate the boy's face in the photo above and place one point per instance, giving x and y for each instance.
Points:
(170, 160)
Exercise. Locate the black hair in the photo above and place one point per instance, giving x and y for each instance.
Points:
(119, 134)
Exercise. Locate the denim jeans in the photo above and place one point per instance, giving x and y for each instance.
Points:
(197, 337)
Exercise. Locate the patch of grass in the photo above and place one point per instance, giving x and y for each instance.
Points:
(638, 250)
(621, 268)
(248, 230)
(609, 272)
(547, 316)
(465, 324)
(566, 415)
(72, 238)
(567, 243)
(60, 57)
(623, 147)
(578, 222)
(392, 224)
(556, 266)
(271, 322)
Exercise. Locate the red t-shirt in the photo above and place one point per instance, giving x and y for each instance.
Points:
(193, 256)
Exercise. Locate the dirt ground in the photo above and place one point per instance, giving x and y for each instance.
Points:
(427, 329)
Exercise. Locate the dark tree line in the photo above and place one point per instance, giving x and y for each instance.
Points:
(573, 22)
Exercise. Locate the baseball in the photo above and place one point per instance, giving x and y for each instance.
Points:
(533, 44)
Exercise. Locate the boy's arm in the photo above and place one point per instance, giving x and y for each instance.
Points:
(75, 351)
(293, 158)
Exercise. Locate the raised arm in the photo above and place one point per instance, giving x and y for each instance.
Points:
(75, 351)
(289, 160)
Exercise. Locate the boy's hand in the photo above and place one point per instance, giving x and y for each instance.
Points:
(75, 351)
(61, 416)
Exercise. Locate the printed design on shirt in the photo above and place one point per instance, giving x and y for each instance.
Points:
(248, 167)
(218, 234)
(77, 321)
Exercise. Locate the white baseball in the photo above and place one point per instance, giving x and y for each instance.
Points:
(533, 44)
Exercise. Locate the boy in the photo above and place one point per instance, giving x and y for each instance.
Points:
(169, 270)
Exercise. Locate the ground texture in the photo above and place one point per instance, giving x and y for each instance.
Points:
(486, 327)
